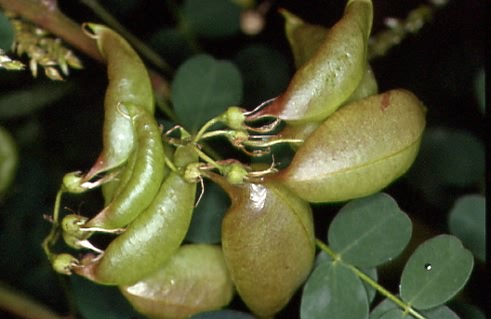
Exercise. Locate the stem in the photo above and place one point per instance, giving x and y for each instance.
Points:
(407, 308)
(50, 240)
(208, 159)
(23, 306)
(182, 25)
(144, 49)
(205, 127)
(53, 20)
(327, 249)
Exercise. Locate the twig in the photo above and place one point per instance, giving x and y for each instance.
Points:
(23, 306)
(139, 45)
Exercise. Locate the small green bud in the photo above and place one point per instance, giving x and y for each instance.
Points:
(235, 173)
(72, 183)
(63, 263)
(234, 118)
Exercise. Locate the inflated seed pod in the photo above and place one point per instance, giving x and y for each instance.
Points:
(367, 87)
(195, 279)
(8, 159)
(112, 188)
(268, 243)
(129, 83)
(153, 237)
(146, 175)
(304, 38)
(332, 73)
(358, 150)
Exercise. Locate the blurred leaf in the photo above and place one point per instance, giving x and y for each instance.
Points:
(395, 314)
(467, 220)
(172, 45)
(333, 291)
(437, 313)
(370, 231)
(442, 312)
(387, 307)
(447, 157)
(8, 160)
(382, 308)
(6, 33)
(95, 301)
(26, 101)
(212, 18)
(371, 272)
(480, 90)
(207, 217)
(120, 7)
(203, 88)
(467, 311)
(223, 314)
(266, 73)
(435, 272)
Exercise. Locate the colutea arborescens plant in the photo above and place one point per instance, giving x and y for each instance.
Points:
(348, 141)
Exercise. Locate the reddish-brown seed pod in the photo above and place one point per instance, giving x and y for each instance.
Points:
(195, 279)
(358, 150)
(268, 243)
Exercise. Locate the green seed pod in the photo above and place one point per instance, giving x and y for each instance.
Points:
(195, 279)
(147, 174)
(8, 160)
(129, 83)
(367, 87)
(268, 243)
(331, 74)
(111, 189)
(153, 236)
(358, 150)
(304, 38)
(116, 185)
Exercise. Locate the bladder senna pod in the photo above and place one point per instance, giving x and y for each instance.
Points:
(331, 74)
(148, 171)
(153, 237)
(129, 83)
(358, 150)
(195, 279)
(268, 243)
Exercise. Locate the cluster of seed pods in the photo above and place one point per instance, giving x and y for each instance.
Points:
(354, 142)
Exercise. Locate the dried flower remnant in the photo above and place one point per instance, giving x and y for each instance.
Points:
(9, 64)
(42, 50)
(398, 29)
